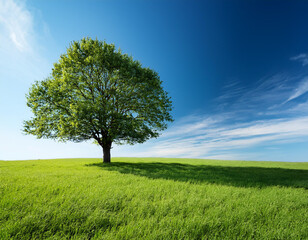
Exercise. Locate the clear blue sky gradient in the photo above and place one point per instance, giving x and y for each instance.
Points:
(237, 72)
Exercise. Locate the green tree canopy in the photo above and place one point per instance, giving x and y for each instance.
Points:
(97, 92)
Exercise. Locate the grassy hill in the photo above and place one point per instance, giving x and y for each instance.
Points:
(153, 198)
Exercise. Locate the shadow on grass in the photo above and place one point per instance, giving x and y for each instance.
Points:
(232, 176)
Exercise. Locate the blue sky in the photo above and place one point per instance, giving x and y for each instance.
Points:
(237, 72)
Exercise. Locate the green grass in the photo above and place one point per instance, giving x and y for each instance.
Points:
(153, 198)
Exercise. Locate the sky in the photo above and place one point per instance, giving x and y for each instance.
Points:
(237, 73)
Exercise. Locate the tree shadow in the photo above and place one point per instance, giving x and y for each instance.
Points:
(232, 176)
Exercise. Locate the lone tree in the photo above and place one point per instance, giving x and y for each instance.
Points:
(96, 92)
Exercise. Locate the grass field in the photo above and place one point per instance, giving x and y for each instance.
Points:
(153, 198)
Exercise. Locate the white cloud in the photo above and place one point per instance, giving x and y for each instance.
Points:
(296, 126)
(17, 23)
(234, 134)
(300, 90)
(213, 140)
(22, 57)
(269, 92)
(303, 58)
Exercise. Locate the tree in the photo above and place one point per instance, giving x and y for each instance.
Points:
(96, 92)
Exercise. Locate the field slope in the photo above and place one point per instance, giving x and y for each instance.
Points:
(153, 198)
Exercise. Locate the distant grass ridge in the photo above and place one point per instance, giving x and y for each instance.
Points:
(153, 198)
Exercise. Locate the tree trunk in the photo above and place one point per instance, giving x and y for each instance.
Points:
(106, 150)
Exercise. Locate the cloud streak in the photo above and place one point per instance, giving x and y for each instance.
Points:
(17, 23)
(300, 90)
(302, 58)
(248, 119)
(219, 138)
(21, 52)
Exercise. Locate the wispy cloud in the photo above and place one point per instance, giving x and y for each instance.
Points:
(248, 118)
(300, 90)
(267, 92)
(20, 47)
(303, 58)
(221, 138)
(17, 23)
